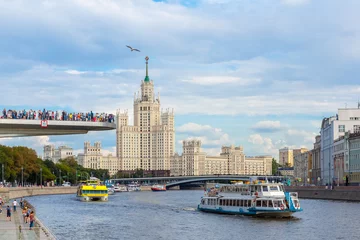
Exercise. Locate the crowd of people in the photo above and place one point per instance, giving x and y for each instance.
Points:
(26, 212)
(57, 115)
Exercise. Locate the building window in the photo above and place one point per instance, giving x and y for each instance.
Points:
(356, 128)
(341, 128)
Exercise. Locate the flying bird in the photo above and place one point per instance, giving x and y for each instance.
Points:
(133, 49)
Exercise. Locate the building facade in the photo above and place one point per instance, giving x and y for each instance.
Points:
(231, 160)
(316, 167)
(93, 158)
(55, 154)
(352, 166)
(302, 167)
(347, 119)
(299, 151)
(150, 143)
(286, 157)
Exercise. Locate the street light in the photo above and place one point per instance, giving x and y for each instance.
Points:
(22, 176)
(2, 173)
(41, 177)
(59, 177)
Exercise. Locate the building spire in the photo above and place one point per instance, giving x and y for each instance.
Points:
(147, 79)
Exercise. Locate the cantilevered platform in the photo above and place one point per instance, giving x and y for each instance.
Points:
(23, 128)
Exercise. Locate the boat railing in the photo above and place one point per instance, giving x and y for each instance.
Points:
(294, 194)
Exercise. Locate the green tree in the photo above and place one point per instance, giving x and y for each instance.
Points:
(275, 167)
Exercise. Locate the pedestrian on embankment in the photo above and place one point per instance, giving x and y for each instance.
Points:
(15, 204)
(32, 219)
(8, 213)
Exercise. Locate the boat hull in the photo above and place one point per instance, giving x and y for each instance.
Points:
(275, 214)
(93, 198)
(158, 190)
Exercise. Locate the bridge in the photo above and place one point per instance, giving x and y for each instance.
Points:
(24, 127)
(185, 180)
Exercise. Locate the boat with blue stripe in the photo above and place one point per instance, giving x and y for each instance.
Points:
(261, 199)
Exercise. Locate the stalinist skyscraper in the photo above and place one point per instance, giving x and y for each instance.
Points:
(150, 143)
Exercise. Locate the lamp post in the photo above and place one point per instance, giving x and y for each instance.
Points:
(41, 177)
(2, 173)
(59, 177)
(22, 176)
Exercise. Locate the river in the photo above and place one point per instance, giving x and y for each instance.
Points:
(173, 215)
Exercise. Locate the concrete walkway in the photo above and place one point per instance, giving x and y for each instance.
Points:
(10, 230)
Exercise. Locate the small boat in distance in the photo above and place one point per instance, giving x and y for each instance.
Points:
(133, 188)
(120, 188)
(92, 190)
(158, 188)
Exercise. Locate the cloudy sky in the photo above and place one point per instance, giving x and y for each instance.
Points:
(257, 73)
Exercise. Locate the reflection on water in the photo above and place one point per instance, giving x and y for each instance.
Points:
(173, 215)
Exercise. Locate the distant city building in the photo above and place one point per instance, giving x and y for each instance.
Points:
(286, 171)
(231, 160)
(316, 167)
(93, 158)
(302, 166)
(353, 170)
(150, 143)
(55, 154)
(286, 158)
(347, 119)
(299, 151)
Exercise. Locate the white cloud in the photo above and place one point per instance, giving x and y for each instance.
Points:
(295, 2)
(194, 127)
(266, 144)
(208, 135)
(301, 136)
(74, 72)
(214, 80)
(267, 126)
(36, 143)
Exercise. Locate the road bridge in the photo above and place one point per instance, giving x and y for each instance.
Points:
(183, 180)
(24, 127)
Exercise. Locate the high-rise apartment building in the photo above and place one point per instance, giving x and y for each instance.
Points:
(150, 143)
(286, 157)
(55, 154)
(231, 160)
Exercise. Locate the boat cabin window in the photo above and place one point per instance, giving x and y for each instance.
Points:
(277, 203)
(265, 188)
(203, 201)
(270, 203)
(274, 188)
(211, 201)
(258, 203)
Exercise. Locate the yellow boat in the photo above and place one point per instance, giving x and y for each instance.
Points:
(92, 190)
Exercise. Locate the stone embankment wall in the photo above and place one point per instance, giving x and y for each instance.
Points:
(338, 193)
(11, 193)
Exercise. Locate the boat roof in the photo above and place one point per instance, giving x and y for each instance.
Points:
(89, 187)
(251, 184)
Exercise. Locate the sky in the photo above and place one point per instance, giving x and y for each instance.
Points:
(256, 73)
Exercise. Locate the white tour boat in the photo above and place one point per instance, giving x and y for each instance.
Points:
(263, 199)
(133, 187)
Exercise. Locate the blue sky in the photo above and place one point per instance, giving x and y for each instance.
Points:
(257, 73)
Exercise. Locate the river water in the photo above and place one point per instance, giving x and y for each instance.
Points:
(173, 215)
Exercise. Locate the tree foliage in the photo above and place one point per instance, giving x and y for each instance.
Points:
(275, 166)
(23, 162)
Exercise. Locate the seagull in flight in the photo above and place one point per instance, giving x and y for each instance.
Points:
(133, 49)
